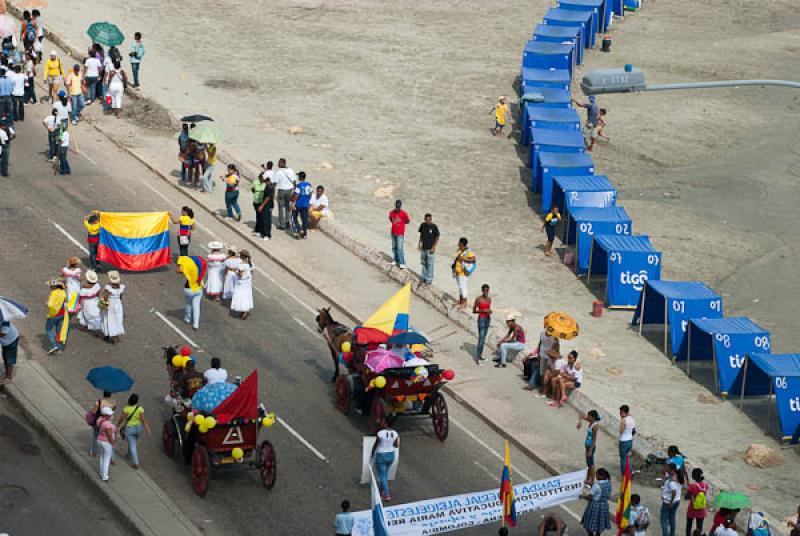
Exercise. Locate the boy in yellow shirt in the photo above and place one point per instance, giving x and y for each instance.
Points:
(57, 325)
(500, 112)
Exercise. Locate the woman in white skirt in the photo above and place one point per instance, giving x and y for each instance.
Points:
(216, 271)
(116, 78)
(113, 314)
(90, 317)
(232, 263)
(242, 301)
(71, 274)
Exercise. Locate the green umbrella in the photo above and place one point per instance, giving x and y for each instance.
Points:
(732, 500)
(105, 33)
(207, 133)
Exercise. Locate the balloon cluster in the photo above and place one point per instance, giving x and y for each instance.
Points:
(203, 423)
(378, 382)
(268, 420)
(180, 360)
(347, 353)
(420, 374)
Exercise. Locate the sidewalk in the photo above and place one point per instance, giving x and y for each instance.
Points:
(139, 501)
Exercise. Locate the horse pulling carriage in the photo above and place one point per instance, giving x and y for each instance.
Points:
(207, 435)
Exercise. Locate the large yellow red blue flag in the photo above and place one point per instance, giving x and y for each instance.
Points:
(507, 493)
(623, 515)
(391, 318)
(134, 241)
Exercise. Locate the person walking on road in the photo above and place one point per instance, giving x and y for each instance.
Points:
(483, 308)
(7, 134)
(284, 179)
(136, 54)
(514, 341)
(30, 79)
(549, 227)
(105, 402)
(107, 435)
(463, 266)
(53, 127)
(63, 155)
(232, 262)
(92, 224)
(627, 429)
(596, 517)
(192, 289)
(344, 521)
(242, 299)
(697, 495)
(216, 270)
(9, 341)
(383, 452)
(428, 238)
(301, 200)
(590, 443)
(113, 312)
(6, 89)
(71, 275)
(56, 313)
(185, 224)
(75, 87)
(131, 424)
(670, 499)
(232, 180)
(18, 93)
(639, 518)
(89, 316)
(53, 75)
(398, 219)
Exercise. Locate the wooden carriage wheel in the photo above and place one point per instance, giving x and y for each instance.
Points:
(201, 467)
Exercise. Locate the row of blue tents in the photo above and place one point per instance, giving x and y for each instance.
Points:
(602, 231)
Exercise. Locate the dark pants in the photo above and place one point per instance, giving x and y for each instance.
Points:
(4, 159)
(6, 107)
(267, 215)
(63, 162)
(232, 204)
(302, 213)
(91, 88)
(689, 523)
(52, 142)
(18, 105)
(93, 256)
(183, 250)
(260, 216)
(30, 91)
(483, 329)
(135, 69)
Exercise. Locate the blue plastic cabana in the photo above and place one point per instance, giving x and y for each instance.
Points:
(533, 78)
(554, 118)
(561, 34)
(629, 262)
(583, 191)
(553, 141)
(585, 222)
(567, 17)
(782, 371)
(543, 55)
(551, 164)
(600, 8)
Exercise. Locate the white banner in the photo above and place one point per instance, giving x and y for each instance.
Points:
(446, 514)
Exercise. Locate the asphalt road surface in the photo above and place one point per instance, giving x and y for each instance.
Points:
(318, 448)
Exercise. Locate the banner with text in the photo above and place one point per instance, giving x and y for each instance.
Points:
(445, 514)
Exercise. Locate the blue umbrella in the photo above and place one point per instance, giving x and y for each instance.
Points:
(11, 310)
(409, 338)
(110, 379)
(212, 395)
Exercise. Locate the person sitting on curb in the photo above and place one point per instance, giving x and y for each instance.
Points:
(513, 340)
(563, 382)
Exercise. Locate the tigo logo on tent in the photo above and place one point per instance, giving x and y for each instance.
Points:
(794, 403)
(736, 361)
(637, 280)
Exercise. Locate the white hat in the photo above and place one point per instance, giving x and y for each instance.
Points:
(91, 276)
(216, 245)
(113, 277)
(53, 53)
(510, 318)
(107, 410)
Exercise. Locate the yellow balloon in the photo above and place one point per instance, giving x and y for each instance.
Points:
(177, 361)
(185, 360)
(380, 382)
(188, 427)
(268, 420)
(210, 422)
(199, 420)
(346, 346)
(203, 429)
(419, 371)
(237, 453)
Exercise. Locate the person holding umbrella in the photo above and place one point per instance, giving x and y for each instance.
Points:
(9, 336)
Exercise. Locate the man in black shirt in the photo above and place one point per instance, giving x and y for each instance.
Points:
(428, 238)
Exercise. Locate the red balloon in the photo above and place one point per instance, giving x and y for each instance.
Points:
(186, 350)
(448, 374)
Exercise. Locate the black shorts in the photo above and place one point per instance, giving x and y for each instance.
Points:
(551, 232)
(10, 353)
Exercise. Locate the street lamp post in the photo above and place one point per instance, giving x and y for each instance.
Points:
(632, 80)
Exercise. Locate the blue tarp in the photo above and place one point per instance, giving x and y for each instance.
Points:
(589, 221)
(681, 301)
(561, 34)
(727, 341)
(596, 6)
(543, 55)
(553, 98)
(583, 191)
(783, 370)
(534, 116)
(554, 141)
(630, 261)
(565, 17)
(550, 164)
(549, 77)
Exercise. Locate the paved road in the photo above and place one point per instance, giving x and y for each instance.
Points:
(318, 448)
(33, 497)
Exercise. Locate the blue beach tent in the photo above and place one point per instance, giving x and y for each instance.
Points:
(545, 97)
(585, 222)
(597, 7)
(554, 118)
(727, 341)
(533, 78)
(566, 17)
(550, 33)
(629, 262)
(782, 371)
(673, 304)
(552, 164)
(543, 55)
(554, 141)
(583, 191)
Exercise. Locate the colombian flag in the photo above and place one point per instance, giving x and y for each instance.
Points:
(135, 241)
(391, 318)
(194, 268)
(623, 515)
(507, 493)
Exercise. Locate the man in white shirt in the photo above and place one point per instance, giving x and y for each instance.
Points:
(64, 168)
(91, 73)
(18, 93)
(284, 179)
(216, 374)
(52, 125)
(627, 429)
(6, 133)
(318, 207)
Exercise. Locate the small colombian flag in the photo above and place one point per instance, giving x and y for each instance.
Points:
(194, 268)
(507, 493)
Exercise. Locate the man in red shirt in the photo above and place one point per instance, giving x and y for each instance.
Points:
(398, 219)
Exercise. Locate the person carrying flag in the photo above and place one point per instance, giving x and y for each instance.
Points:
(507, 494)
(92, 224)
(622, 517)
(56, 327)
(194, 269)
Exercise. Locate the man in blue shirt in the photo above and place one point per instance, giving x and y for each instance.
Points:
(343, 524)
(300, 204)
(6, 88)
(136, 54)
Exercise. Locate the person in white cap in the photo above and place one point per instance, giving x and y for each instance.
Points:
(216, 270)
(113, 313)
(53, 74)
(89, 316)
(500, 112)
(107, 434)
(514, 340)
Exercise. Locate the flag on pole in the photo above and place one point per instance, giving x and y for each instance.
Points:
(379, 527)
(623, 515)
(134, 241)
(507, 493)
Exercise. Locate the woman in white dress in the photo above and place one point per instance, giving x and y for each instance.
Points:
(242, 301)
(71, 274)
(216, 270)
(232, 263)
(89, 317)
(113, 314)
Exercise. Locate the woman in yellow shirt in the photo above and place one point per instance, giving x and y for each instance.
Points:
(232, 180)
(131, 423)
(57, 325)
(53, 75)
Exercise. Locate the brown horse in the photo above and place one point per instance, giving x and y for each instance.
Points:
(335, 334)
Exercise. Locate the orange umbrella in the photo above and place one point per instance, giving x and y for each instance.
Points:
(561, 325)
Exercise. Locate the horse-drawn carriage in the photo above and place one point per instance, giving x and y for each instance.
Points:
(386, 383)
(206, 434)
